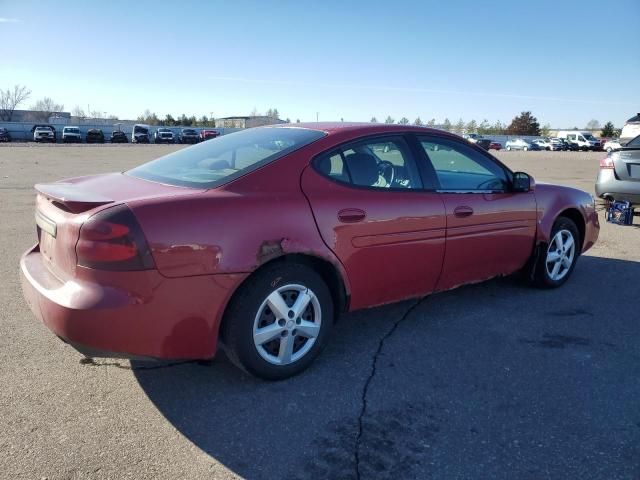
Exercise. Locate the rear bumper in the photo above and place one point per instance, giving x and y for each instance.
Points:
(607, 185)
(129, 314)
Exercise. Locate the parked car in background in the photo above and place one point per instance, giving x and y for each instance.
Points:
(71, 135)
(207, 134)
(583, 139)
(631, 129)
(188, 135)
(558, 144)
(472, 137)
(163, 135)
(44, 133)
(118, 136)
(612, 144)
(619, 175)
(95, 135)
(5, 136)
(168, 258)
(543, 143)
(483, 143)
(495, 145)
(140, 134)
(520, 144)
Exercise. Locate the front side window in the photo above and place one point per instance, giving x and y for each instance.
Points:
(225, 158)
(460, 168)
(381, 163)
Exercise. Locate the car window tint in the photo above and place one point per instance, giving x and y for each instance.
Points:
(378, 163)
(460, 167)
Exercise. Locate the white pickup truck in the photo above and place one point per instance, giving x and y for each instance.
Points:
(71, 134)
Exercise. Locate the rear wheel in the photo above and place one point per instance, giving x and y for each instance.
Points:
(525, 148)
(508, 148)
(558, 259)
(279, 321)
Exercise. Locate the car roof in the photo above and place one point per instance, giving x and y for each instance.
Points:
(360, 127)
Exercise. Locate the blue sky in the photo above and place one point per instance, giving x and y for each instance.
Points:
(566, 61)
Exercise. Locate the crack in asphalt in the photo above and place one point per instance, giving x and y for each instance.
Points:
(372, 373)
(91, 362)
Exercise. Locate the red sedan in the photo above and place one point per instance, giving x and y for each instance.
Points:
(207, 134)
(495, 146)
(260, 239)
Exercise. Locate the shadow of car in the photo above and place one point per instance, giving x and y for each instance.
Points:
(436, 377)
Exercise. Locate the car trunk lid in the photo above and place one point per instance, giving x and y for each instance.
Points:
(627, 164)
(62, 208)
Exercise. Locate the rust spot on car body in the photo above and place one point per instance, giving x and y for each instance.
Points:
(270, 249)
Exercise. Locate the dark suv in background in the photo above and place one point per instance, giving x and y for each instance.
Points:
(5, 136)
(188, 135)
(118, 136)
(95, 135)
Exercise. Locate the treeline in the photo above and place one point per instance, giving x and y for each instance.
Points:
(150, 118)
(523, 124)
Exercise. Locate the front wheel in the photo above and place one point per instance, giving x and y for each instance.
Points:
(525, 148)
(557, 261)
(509, 148)
(278, 322)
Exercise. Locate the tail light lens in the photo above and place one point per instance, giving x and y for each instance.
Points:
(606, 162)
(113, 240)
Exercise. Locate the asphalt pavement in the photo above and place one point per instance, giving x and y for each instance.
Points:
(496, 380)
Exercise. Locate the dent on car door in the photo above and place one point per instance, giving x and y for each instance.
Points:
(490, 230)
(372, 210)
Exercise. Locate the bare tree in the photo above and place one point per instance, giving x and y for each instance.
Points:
(10, 99)
(78, 112)
(43, 109)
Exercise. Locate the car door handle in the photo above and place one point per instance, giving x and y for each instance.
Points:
(351, 215)
(463, 211)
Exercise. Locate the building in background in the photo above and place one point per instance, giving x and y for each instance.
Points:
(247, 122)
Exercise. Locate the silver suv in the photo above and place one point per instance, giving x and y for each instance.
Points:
(44, 134)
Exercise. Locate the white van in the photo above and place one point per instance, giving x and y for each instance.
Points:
(584, 139)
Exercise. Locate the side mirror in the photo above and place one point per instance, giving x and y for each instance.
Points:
(523, 182)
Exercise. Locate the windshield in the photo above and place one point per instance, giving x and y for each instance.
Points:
(588, 136)
(218, 161)
(164, 130)
(189, 132)
(43, 129)
(71, 130)
(138, 129)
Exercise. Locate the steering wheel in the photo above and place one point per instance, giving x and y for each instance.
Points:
(387, 170)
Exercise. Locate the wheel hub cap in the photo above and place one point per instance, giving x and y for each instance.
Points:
(287, 324)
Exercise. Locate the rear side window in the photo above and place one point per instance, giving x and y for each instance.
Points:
(379, 163)
(225, 158)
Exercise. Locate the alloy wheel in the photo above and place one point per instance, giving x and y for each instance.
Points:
(560, 255)
(287, 324)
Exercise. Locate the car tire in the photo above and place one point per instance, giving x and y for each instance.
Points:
(556, 260)
(271, 293)
(525, 148)
(509, 148)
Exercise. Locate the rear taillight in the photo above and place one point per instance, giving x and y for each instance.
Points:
(113, 240)
(606, 162)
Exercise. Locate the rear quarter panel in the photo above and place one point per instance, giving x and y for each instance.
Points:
(235, 228)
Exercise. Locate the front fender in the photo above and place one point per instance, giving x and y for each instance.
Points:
(555, 200)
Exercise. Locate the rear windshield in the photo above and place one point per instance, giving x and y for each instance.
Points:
(188, 132)
(137, 129)
(225, 158)
(71, 130)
